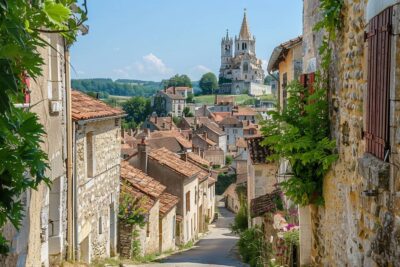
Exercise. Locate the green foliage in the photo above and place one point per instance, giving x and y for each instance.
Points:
(137, 109)
(228, 160)
(176, 120)
(331, 21)
(208, 83)
(22, 162)
(241, 222)
(223, 181)
(118, 87)
(187, 113)
(253, 247)
(190, 98)
(178, 81)
(300, 134)
(292, 237)
(270, 78)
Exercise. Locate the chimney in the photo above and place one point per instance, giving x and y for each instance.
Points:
(163, 125)
(216, 99)
(174, 90)
(190, 137)
(142, 155)
(155, 119)
(195, 122)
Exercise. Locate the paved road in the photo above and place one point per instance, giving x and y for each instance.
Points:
(214, 249)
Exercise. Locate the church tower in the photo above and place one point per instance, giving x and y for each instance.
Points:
(226, 55)
(245, 43)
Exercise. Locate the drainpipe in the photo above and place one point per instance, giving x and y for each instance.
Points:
(76, 240)
(70, 195)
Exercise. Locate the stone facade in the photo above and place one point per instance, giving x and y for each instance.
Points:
(354, 228)
(97, 193)
(243, 68)
(41, 240)
(168, 231)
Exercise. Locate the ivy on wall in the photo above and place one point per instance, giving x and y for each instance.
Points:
(300, 132)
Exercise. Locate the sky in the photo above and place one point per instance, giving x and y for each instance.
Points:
(156, 39)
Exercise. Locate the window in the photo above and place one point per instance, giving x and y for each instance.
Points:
(173, 227)
(195, 195)
(148, 229)
(245, 67)
(90, 158)
(187, 201)
(284, 91)
(100, 225)
(377, 107)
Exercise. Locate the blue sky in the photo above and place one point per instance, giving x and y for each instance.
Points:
(155, 39)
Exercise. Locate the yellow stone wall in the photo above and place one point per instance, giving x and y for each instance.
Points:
(352, 229)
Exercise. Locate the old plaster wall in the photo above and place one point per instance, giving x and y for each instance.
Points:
(97, 195)
(168, 226)
(30, 246)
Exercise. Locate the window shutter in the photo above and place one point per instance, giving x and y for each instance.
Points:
(377, 117)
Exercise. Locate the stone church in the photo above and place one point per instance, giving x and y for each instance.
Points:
(241, 71)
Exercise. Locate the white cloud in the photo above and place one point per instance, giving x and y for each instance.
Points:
(151, 64)
(202, 68)
(150, 67)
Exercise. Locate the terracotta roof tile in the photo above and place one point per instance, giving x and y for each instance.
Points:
(263, 204)
(211, 180)
(85, 107)
(167, 202)
(258, 153)
(245, 111)
(146, 202)
(173, 161)
(197, 159)
(231, 121)
(141, 181)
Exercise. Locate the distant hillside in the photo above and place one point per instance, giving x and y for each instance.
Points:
(120, 87)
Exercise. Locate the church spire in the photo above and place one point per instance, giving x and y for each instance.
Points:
(244, 30)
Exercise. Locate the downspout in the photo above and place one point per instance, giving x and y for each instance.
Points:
(70, 194)
(76, 240)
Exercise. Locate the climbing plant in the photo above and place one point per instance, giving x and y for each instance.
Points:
(23, 163)
(300, 133)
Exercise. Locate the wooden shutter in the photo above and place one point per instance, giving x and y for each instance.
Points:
(377, 117)
(188, 201)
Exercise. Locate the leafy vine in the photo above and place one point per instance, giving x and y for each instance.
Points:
(300, 132)
(23, 163)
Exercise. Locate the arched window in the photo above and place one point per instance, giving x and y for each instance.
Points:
(238, 46)
(243, 46)
(245, 67)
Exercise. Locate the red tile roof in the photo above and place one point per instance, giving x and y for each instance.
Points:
(196, 159)
(173, 161)
(263, 204)
(167, 202)
(146, 202)
(141, 181)
(85, 107)
(258, 153)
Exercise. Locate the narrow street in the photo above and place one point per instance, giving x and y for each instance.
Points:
(217, 248)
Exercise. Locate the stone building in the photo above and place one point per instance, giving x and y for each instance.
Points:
(167, 103)
(155, 123)
(181, 179)
(240, 68)
(42, 237)
(287, 60)
(231, 198)
(233, 128)
(97, 147)
(359, 223)
(261, 179)
(160, 210)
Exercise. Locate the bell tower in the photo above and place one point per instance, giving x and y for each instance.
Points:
(226, 52)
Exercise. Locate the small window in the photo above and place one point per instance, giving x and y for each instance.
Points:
(148, 229)
(100, 225)
(90, 158)
(187, 201)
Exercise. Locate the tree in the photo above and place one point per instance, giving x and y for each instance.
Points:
(178, 80)
(187, 113)
(23, 163)
(208, 83)
(137, 109)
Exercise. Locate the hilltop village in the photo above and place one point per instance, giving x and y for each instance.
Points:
(294, 165)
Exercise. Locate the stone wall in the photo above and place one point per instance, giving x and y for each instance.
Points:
(353, 229)
(99, 194)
